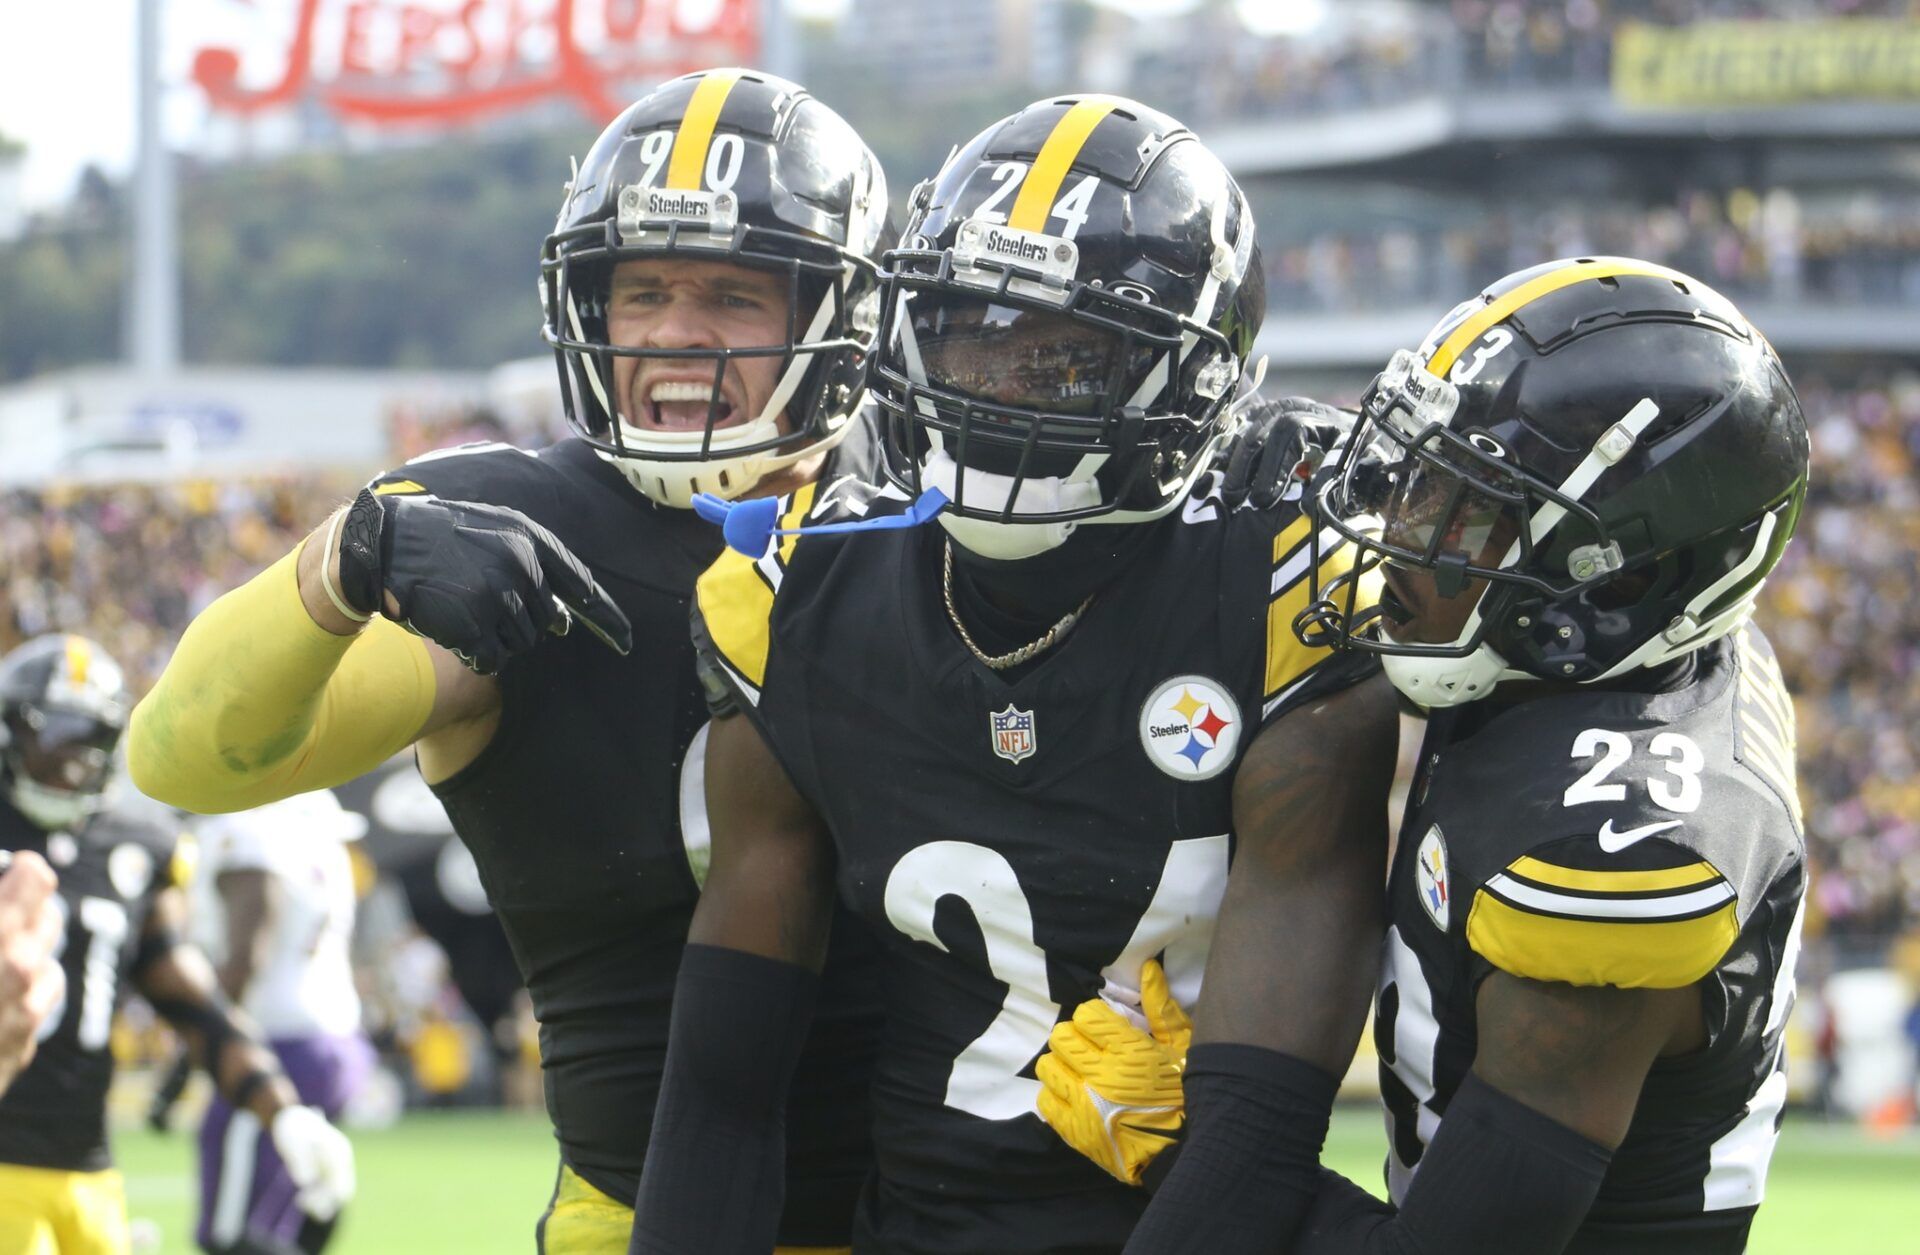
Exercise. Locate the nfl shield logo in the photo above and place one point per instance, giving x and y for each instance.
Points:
(1012, 733)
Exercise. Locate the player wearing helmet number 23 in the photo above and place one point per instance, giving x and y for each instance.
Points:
(1573, 491)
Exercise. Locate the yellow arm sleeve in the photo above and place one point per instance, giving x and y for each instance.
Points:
(260, 703)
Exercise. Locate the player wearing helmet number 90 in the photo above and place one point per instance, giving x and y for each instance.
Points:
(710, 295)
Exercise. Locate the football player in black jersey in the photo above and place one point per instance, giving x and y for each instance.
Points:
(1574, 489)
(710, 295)
(62, 709)
(1023, 745)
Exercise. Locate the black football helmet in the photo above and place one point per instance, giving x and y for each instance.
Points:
(63, 706)
(1065, 322)
(1606, 443)
(734, 166)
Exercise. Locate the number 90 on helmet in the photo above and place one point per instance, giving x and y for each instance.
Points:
(740, 168)
(1066, 319)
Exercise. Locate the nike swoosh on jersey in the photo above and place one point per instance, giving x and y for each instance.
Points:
(1614, 842)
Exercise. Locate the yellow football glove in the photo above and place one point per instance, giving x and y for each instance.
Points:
(1112, 1091)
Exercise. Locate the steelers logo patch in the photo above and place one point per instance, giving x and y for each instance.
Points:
(1190, 728)
(1430, 877)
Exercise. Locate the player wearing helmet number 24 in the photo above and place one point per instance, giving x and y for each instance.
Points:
(1573, 491)
(1021, 745)
(710, 294)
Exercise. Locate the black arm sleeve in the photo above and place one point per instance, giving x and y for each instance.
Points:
(1249, 1162)
(715, 1174)
(1498, 1176)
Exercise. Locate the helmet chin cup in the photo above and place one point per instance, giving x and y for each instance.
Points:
(674, 484)
(1437, 682)
(1006, 542)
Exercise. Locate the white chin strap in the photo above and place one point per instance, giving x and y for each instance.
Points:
(52, 809)
(984, 490)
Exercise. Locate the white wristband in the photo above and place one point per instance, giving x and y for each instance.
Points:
(326, 573)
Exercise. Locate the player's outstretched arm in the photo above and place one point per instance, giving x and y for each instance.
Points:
(273, 692)
(1288, 978)
(715, 1169)
(179, 981)
(304, 678)
(1528, 1136)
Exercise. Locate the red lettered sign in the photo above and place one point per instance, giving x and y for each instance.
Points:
(425, 61)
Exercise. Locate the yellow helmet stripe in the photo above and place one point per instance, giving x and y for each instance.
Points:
(1506, 306)
(1057, 155)
(79, 657)
(691, 141)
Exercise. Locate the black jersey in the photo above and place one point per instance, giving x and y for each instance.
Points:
(1020, 844)
(586, 817)
(111, 869)
(1644, 840)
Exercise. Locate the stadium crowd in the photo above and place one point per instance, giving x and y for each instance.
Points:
(1841, 612)
(1768, 245)
(1425, 49)
(132, 564)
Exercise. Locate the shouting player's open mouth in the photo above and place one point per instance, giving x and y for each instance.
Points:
(682, 404)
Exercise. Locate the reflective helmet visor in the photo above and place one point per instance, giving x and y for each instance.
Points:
(1024, 358)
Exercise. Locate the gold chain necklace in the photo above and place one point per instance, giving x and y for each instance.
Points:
(1000, 662)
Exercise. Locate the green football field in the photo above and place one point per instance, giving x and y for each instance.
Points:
(476, 1182)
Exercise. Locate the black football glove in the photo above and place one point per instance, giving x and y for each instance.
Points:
(481, 581)
(1282, 438)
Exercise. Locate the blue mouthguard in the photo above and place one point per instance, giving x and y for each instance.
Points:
(749, 525)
